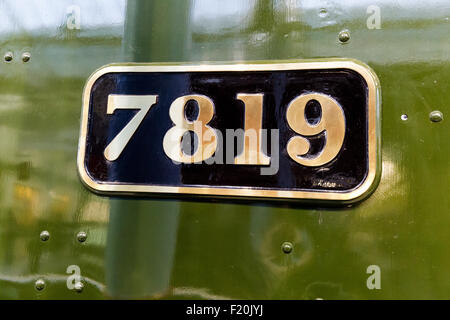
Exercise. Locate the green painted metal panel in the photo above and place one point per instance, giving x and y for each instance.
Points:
(161, 248)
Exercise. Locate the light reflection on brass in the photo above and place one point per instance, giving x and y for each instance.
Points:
(252, 153)
(373, 134)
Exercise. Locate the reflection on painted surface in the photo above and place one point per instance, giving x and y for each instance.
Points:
(160, 248)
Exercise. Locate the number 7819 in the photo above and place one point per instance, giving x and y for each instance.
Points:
(332, 123)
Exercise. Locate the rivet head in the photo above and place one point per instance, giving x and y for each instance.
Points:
(344, 36)
(81, 236)
(79, 286)
(8, 56)
(404, 117)
(287, 247)
(436, 116)
(26, 56)
(39, 284)
(323, 12)
(45, 235)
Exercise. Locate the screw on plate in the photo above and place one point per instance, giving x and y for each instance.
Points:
(39, 284)
(436, 116)
(45, 235)
(81, 236)
(26, 56)
(8, 56)
(404, 117)
(287, 247)
(344, 36)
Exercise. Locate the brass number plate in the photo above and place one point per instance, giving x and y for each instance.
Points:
(302, 130)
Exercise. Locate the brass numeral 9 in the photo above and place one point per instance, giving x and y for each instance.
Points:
(332, 122)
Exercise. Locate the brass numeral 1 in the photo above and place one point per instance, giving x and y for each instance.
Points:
(252, 153)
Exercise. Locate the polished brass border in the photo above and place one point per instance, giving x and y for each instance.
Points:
(374, 157)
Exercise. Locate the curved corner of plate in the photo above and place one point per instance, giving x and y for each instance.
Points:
(364, 69)
(367, 188)
(95, 76)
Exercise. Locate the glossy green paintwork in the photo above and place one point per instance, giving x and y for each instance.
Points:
(161, 248)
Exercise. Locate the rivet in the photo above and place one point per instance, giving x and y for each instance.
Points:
(436, 116)
(344, 36)
(8, 56)
(323, 12)
(404, 117)
(26, 56)
(39, 284)
(81, 236)
(287, 247)
(79, 286)
(45, 235)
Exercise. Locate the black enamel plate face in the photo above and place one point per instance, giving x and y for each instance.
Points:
(310, 130)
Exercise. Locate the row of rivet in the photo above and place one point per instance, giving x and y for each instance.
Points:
(40, 285)
(435, 116)
(81, 236)
(9, 56)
